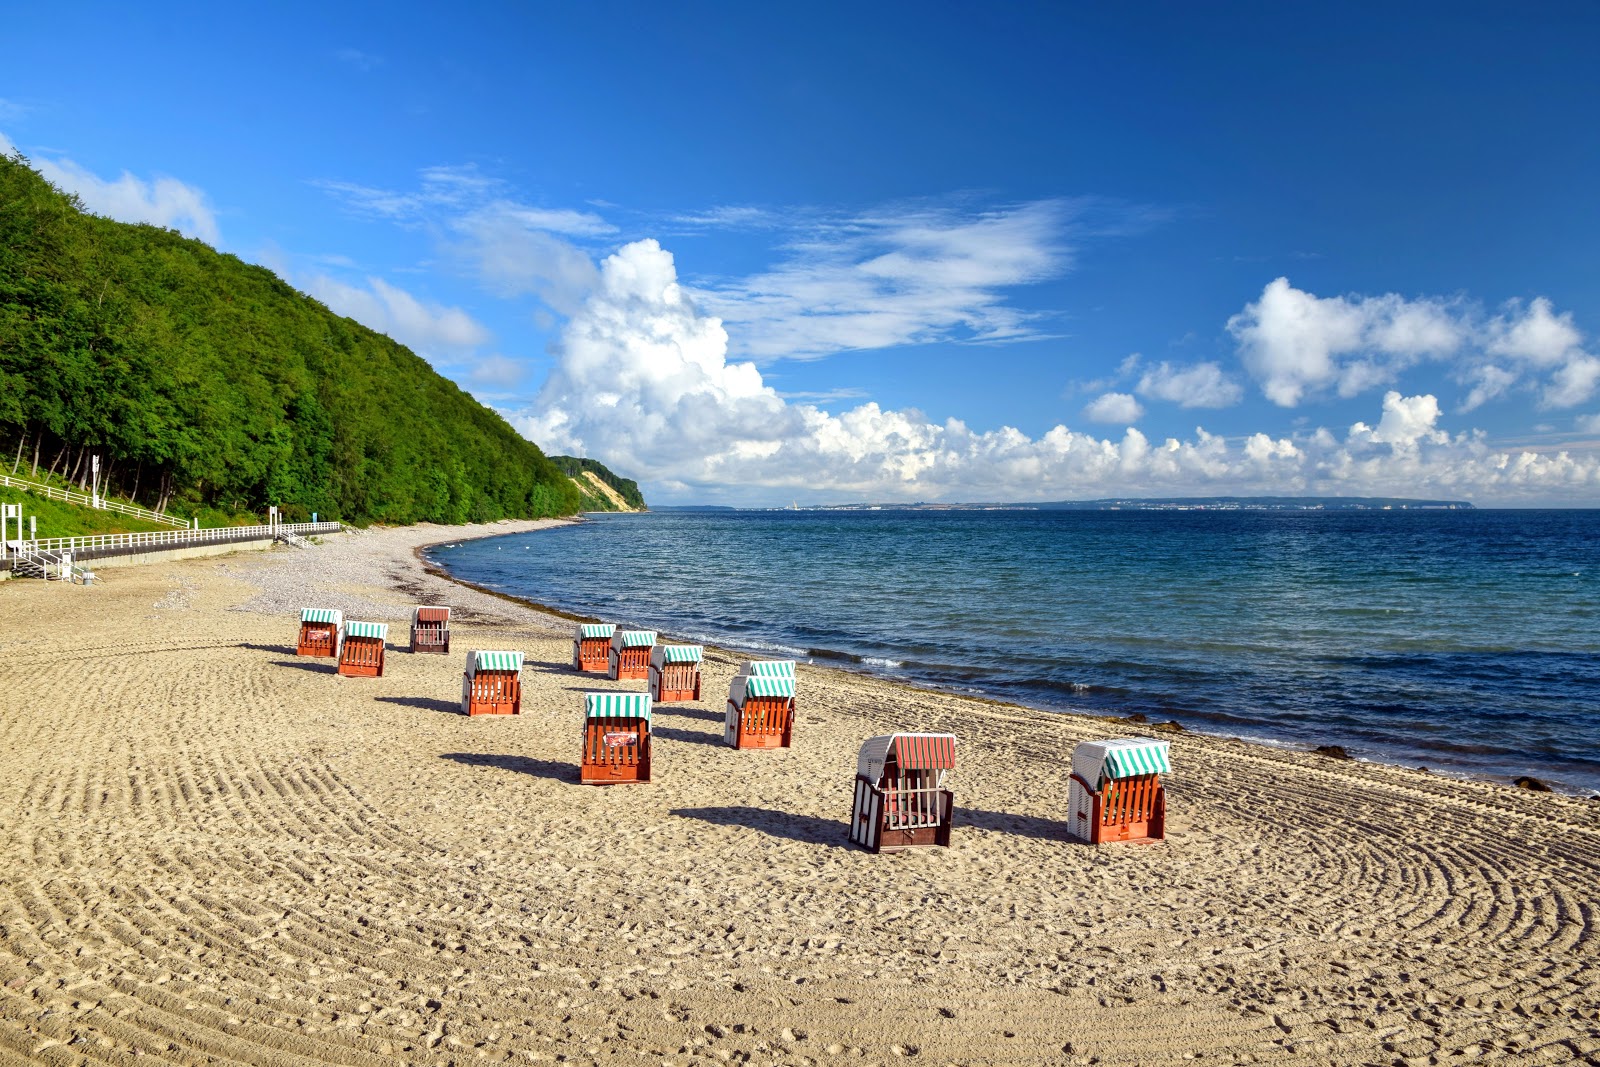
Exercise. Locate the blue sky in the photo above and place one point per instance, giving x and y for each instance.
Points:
(749, 254)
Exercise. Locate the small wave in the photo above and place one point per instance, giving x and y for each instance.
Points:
(879, 661)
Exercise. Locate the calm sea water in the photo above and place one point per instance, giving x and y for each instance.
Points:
(1465, 641)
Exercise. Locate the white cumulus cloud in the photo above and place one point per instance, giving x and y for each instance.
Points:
(643, 382)
(159, 201)
(1113, 407)
(1201, 385)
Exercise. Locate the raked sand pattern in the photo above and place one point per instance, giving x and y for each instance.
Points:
(214, 852)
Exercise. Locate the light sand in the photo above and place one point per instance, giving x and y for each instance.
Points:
(215, 852)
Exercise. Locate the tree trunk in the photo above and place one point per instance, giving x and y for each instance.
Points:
(38, 439)
(138, 473)
(22, 440)
(57, 463)
(78, 466)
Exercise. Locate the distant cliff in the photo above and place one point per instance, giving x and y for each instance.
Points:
(601, 489)
(201, 381)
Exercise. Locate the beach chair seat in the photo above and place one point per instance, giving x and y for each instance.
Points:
(591, 647)
(1115, 791)
(492, 683)
(361, 647)
(430, 630)
(629, 655)
(616, 738)
(760, 712)
(319, 632)
(675, 673)
(901, 800)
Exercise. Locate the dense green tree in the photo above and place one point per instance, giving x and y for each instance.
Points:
(204, 381)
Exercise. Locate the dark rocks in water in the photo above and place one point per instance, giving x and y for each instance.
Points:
(1424, 770)
(1138, 716)
(1531, 784)
(1175, 726)
(1332, 752)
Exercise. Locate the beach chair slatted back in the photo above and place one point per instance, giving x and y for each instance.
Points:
(616, 738)
(629, 655)
(675, 673)
(760, 712)
(1115, 791)
(319, 632)
(361, 649)
(430, 630)
(492, 683)
(591, 647)
(901, 800)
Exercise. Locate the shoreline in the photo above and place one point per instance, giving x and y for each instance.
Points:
(850, 664)
(216, 849)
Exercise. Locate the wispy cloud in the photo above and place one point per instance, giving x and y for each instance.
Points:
(11, 109)
(390, 310)
(355, 57)
(160, 201)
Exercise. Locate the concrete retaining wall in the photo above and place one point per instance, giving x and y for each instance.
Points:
(133, 558)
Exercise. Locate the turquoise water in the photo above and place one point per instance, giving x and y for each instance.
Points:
(1466, 641)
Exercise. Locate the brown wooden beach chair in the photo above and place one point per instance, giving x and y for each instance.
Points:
(591, 647)
(629, 655)
(901, 799)
(760, 711)
(430, 630)
(675, 673)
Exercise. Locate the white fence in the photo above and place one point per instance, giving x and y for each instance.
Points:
(113, 544)
(50, 492)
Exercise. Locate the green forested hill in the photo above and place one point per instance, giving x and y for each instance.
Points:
(204, 381)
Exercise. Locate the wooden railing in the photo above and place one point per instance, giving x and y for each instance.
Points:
(51, 492)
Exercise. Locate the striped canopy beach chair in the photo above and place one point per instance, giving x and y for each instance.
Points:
(760, 711)
(492, 684)
(630, 654)
(616, 738)
(361, 649)
(901, 797)
(591, 646)
(1115, 793)
(430, 630)
(675, 673)
(319, 632)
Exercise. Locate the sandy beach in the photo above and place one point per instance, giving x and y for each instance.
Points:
(216, 852)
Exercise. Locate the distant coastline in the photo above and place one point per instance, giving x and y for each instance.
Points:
(1183, 503)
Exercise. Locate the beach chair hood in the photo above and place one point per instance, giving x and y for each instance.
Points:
(493, 661)
(322, 615)
(1097, 762)
(744, 686)
(616, 706)
(768, 668)
(429, 614)
(633, 639)
(380, 630)
(588, 631)
(935, 752)
(664, 654)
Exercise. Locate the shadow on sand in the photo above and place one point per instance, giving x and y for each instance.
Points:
(452, 707)
(811, 829)
(539, 768)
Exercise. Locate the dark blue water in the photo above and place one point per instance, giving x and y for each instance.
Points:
(1466, 641)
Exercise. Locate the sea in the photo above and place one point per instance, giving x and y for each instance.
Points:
(1465, 641)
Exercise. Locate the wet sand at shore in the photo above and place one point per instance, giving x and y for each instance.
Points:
(216, 852)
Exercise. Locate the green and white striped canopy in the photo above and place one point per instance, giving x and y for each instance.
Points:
(769, 668)
(678, 654)
(321, 615)
(589, 630)
(1135, 756)
(495, 661)
(768, 687)
(616, 706)
(380, 630)
(635, 638)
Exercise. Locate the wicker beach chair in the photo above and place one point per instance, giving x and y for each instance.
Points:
(760, 711)
(361, 647)
(591, 647)
(492, 683)
(430, 630)
(1115, 793)
(629, 655)
(616, 738)
(901, 798)
(675, 673)
(319, 632)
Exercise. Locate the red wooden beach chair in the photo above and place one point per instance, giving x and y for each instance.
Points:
(1115, 793)
(430, 630)
(591, 647)
(901, 800)
(361, 649)
(492, 684)
(630, 654)
(675, 673)
(760, 712)
(616, 738)
(319, 632)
